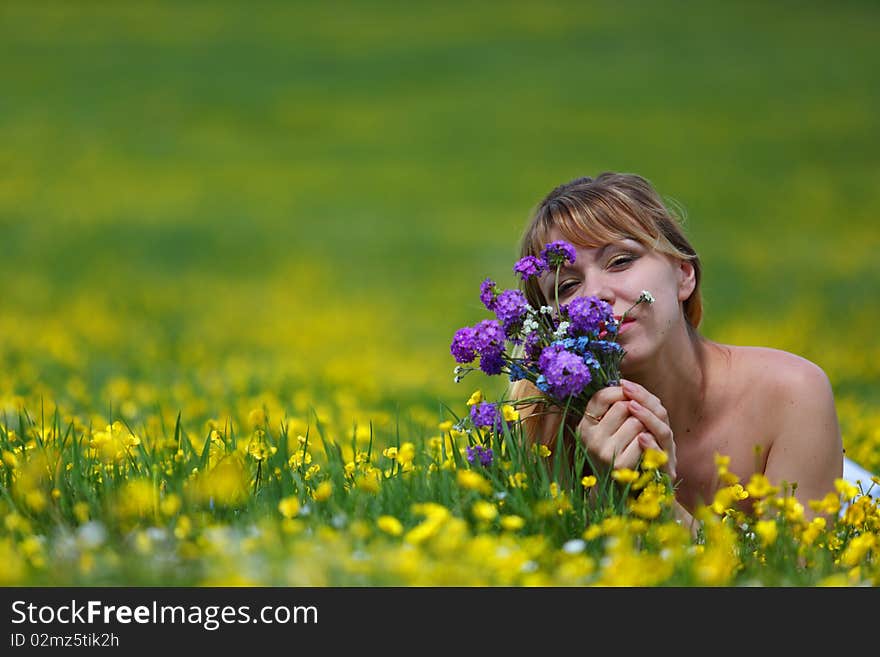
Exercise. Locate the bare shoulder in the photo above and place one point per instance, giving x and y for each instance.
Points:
(779, 373)
(792, 403)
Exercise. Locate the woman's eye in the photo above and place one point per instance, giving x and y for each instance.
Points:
(619, 261)
(568, 286)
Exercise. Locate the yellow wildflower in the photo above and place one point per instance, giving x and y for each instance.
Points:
(512, 523)
(857, 548)
(475, 398)
(406, 453)
(484, 511)
(830, 504)
(759, 486)
(323, 492)
(767, 531)
(509, 413)
(289, 506)
(390, 525)
(470, 480)
(846, 489)
(654, 459)
(256, 418)
(541, 450)
(589, 481)
(624, 475)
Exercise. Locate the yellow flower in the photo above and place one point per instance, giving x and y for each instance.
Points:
(389, 525)
(759, 486)
(857, 548)
(591, 532)
(846, 489)
(289, 506)
(830, 504)
(170, 505)
(470, 480)
(406, 453)
(624, 475)
(541, 450)
(10, 460)
(726, 497)
(368, 483)
(484, 511)
(813, 530)
(589, 481)
(445, 426)
(654, 459)
(257, 418)
(646, 506)
(475, 398)
(767, 531)
(512, 523)
(509, 413)
(390, 452)
(323, 492)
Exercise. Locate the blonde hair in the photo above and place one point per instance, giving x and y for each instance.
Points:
(590, 212)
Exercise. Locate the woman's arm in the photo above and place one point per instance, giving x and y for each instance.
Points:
(807, 448)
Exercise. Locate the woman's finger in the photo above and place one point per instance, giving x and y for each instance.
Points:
(601, 401)
(641, 394)
(660, 429)
(629, 457)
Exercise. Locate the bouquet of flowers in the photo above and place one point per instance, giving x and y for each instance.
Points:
(568, 352)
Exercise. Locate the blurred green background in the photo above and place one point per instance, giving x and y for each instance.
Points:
(212, 206)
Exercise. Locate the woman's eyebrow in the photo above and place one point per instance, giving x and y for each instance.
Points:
(599, 253)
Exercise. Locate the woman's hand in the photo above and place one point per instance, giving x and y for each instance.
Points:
(648, 409)
(621, 422)
(609, 431)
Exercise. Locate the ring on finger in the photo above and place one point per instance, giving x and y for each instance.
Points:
(593, 417)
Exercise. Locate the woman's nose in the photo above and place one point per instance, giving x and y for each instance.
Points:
(599, 288)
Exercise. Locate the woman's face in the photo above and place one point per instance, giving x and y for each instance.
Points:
(617, 272)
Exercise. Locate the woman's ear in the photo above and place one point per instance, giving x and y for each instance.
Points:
(687, 279)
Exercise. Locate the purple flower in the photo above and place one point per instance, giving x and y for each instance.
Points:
(464, 344)
(486, 414)
(555, 254)
(510, 308)
(483, 454)
(489, 343)
(565, 373)
(529, 266)
(589, 315)
(532, 344)
(487, 293)
(492, 363)
(489, 336)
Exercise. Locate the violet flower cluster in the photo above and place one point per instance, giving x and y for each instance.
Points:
(567, 353)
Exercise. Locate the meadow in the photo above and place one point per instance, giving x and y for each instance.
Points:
(236, 241)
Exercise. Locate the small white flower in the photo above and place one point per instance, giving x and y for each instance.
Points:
(92, 534)
(562, 330)
(547, 310)
(646, 296)
(574, 546)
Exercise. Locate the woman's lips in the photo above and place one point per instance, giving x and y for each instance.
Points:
(629, 321)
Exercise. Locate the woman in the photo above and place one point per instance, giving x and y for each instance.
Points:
(769, 411)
